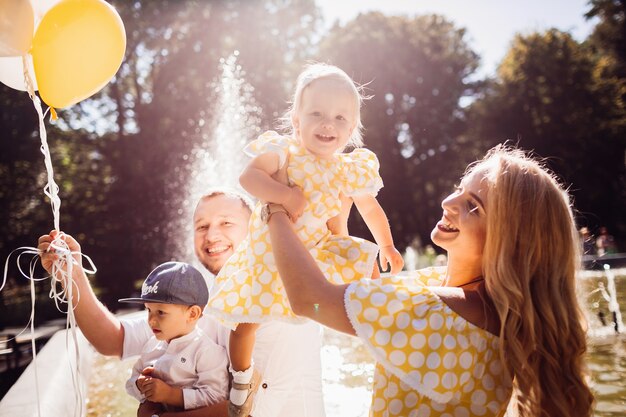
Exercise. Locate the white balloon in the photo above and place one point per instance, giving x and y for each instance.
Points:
(12, 72)
(17, 24)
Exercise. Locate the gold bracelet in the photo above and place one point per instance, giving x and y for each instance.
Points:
(270, 208)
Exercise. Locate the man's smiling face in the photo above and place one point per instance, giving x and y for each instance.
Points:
(220, 224)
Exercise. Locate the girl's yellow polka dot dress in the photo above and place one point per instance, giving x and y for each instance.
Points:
(430, 361)
(248, 288)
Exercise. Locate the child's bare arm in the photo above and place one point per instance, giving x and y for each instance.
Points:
(376, 220)
(258, 178)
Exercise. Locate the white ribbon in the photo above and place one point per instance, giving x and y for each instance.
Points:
(62, 267)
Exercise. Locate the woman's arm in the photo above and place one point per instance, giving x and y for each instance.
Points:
(309, 293)
(376, 220)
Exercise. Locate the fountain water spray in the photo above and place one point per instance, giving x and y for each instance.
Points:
(613, 304)
(410, 258)
(218, 158)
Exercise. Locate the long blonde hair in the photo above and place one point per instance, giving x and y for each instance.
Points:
(530, 260)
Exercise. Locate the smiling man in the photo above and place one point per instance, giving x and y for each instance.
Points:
(220, 223)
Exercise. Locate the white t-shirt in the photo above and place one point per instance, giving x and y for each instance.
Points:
(192, 362)
(286, 355)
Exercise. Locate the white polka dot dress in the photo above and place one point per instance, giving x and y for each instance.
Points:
(430, 361)
(248, 288)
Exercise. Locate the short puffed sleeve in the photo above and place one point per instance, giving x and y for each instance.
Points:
(269, 141)
(361, 173)
(415, 336)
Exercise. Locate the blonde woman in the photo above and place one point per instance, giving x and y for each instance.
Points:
(500, 323)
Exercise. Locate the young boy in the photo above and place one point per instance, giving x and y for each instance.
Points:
(179, 367)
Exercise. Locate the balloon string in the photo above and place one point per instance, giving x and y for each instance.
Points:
(51, 189)
(62, 266)
(62, 270)
(28, 81)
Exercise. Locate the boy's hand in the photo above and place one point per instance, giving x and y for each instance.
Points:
(295, 204)
(49, 256)
(145, 375)
(157, 391)
(390, 255)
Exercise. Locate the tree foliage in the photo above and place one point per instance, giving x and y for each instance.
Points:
(548, 98)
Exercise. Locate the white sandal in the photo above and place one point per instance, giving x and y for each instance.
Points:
(244, 409)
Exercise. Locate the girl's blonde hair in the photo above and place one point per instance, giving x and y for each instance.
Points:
(319, 71)
(530, 260)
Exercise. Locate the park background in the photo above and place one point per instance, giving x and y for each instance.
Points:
(123, 157)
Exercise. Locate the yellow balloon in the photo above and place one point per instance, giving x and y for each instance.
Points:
(78, 47)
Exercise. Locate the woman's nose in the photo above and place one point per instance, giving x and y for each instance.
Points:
(450, 203)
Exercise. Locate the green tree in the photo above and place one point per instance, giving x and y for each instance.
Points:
(82, 175)
(609, 35)
(416, 69)
(550, 97)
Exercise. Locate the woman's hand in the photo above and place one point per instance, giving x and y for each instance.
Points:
(295, 203)
(389, 256)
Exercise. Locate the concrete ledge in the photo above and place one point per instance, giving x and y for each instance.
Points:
(57, 395)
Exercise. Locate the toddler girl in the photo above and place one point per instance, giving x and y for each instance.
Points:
(324, 119)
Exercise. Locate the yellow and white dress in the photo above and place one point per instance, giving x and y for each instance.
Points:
(248, 288)
(430, 361)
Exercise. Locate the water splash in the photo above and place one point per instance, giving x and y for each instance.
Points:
(235, 124)
(418, 256)
(217, 159)
(410, 258)
(616, 313)
(611, 327)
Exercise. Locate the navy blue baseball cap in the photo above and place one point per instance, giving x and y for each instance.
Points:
(173, 283)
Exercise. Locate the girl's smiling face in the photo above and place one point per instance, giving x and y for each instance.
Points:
(326, 117)
(463, 226)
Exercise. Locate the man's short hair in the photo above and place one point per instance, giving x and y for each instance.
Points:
(229, 192)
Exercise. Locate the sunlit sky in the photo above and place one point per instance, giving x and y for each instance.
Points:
(491, 24)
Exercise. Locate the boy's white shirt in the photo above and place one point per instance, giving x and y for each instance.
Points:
(193, 362)
(286, 355)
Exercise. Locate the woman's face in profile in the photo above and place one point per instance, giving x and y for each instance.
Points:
(462, 228)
